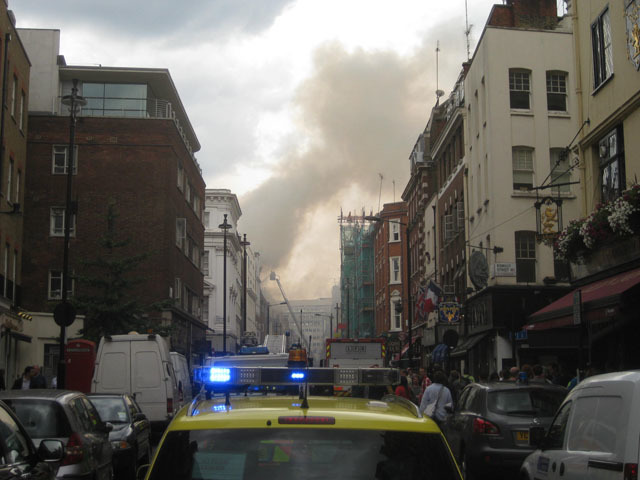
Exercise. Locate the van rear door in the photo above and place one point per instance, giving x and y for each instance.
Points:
(148, 382)
(114, 370)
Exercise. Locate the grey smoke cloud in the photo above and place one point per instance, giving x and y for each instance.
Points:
(362, 112)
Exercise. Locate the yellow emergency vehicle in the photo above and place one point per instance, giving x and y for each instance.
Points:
(237, 434)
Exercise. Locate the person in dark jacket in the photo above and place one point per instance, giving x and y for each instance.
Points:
(38, 380)
(23, 382)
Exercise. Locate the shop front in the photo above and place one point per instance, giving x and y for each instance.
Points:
(596, 324)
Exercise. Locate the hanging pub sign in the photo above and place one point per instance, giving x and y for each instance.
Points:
(449, 313)
(548, 219)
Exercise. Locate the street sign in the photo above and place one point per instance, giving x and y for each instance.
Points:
(577, 307)
(64, 314)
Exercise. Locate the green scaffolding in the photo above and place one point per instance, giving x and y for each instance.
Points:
(356, 277)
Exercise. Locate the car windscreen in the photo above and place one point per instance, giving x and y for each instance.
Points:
(111, 409)
(299, 454)
(41, 418)
(525, 402)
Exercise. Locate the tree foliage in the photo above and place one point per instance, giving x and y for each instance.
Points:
(106, 283)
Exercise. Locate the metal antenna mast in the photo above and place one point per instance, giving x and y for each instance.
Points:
(467, 30)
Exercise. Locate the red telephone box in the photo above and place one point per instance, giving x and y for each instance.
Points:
(80, 356)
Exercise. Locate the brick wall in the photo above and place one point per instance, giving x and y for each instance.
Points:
(131, 162)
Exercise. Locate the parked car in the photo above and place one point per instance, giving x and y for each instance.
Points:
(594, 435)
(19, 459)
(130, 435)
(68, 416)
(488, 430)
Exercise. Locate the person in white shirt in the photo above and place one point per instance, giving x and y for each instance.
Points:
(24, 382)
(438, 395)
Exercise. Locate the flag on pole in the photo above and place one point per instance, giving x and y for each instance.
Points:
(434, 292)
(421, 303)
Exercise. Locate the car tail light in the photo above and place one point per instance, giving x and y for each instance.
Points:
(169, 406)
(485, 427)
(73, 450)
(630, 471)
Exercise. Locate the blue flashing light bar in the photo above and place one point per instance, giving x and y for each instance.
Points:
(219, 375)
(261, 376)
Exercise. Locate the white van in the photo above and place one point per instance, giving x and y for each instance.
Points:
(595, 434)
(181, 368)
(141, 366)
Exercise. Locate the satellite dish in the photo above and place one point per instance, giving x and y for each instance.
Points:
(478, 269)
(439, 93)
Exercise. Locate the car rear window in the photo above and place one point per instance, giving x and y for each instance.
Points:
(525, 402)
(298, 454)
(41, 418)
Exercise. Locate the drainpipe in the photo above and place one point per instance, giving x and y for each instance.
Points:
(5, 66)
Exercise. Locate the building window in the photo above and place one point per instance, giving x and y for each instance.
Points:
(561, 270)
(14, 92)
(22, 116)
(5, 271)
(394, 230)
(396, 314)
(612, 168)
(522, 168)
(10, 179)
(602, 49)
(177, 292)
(557, 91)
(205, 263)
(180, 177)
(55, 285)
(17, 189)
(520, 88)
(395, 269)
(56, 222)
(181, 233)
(205, 308)
(60, 160)
(560, 169)
(525, 256)
(206, 219)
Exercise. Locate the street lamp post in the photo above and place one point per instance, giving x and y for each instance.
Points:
(244, 244)
(224, 226)
(408, 277)
(64, 313)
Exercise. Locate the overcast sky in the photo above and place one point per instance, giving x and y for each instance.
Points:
(299, 105)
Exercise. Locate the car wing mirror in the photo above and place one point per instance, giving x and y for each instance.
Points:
(537, 436)
(51, 450)
(107, 427)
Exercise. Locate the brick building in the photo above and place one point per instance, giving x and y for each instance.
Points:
(13, 151)
(135, 150)
(390, 267)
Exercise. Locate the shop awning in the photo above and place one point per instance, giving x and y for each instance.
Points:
(467, 345)
(603, 295)
(440, 353)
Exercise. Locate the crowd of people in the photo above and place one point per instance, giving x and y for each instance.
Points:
(434, 390)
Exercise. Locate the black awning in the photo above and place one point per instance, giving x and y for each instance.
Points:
(467, 345)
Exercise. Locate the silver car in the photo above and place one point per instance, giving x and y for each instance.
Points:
(70, 417)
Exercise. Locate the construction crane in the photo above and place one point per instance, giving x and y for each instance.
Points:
(297, 321)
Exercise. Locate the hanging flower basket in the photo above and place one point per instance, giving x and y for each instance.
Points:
(607, 225)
